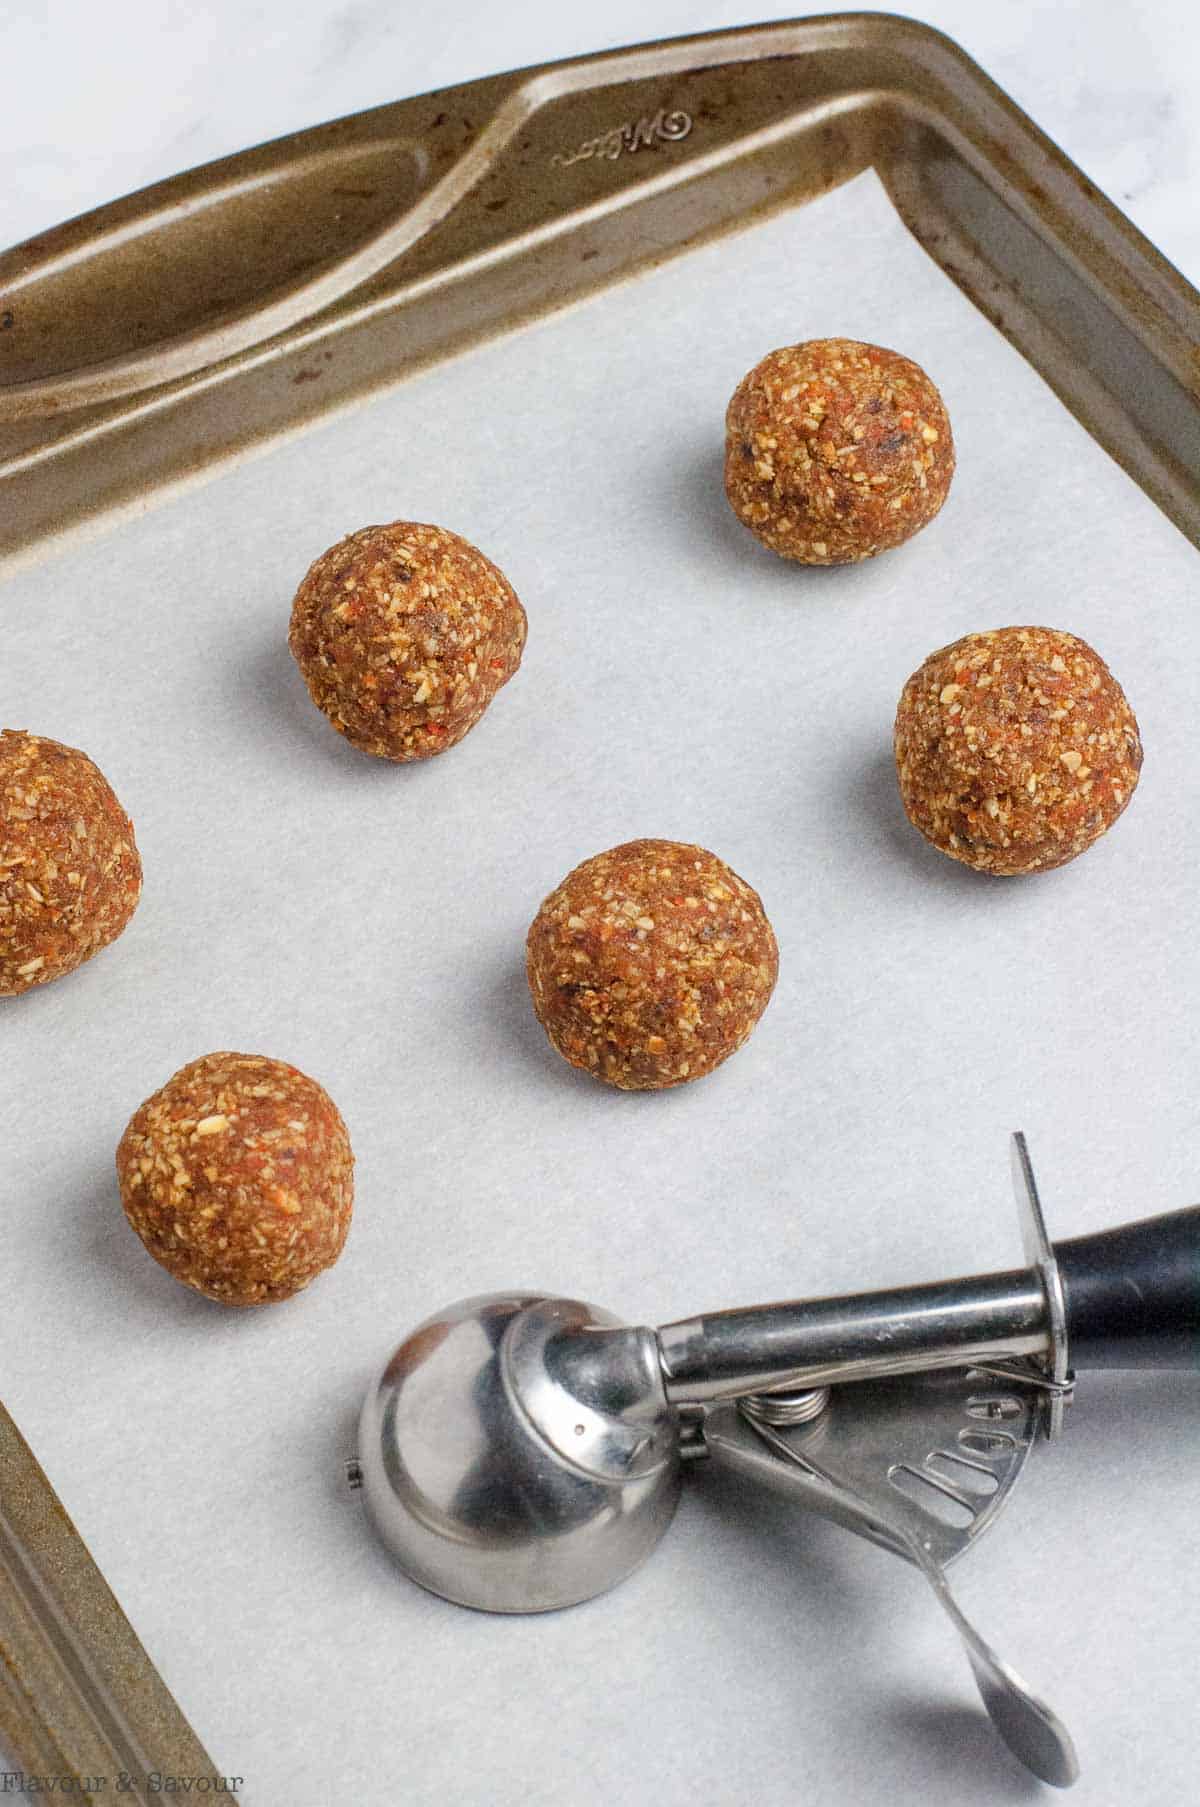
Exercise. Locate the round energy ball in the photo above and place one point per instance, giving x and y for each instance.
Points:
(404, 635)
(650, 964)
(70, 876)
(1015, 749)
(835, 450)
(238, 1177)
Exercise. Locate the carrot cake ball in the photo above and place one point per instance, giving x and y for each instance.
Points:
(835, 450)
(404, 635)
(1015, 749)
(70, 876)
(650, 964)
(238, 1177)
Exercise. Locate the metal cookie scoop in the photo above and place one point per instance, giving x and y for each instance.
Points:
(521, 1453)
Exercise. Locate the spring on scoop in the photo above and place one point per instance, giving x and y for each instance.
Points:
(785, 1408)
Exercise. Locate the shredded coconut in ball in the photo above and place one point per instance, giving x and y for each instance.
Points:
(70, 876)
(404, 634)
(651, 964)
(1015, 749)
(238, 1177)
(836, 450)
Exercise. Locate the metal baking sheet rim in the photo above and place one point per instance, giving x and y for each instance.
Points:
(1108, 323)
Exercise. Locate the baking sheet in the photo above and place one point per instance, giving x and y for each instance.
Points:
(366, 922)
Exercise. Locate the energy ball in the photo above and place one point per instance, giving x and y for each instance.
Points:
(835, 450)
(650, 964)
(70, 876)
(1015, 749)
(404, 635)
(238, 1177)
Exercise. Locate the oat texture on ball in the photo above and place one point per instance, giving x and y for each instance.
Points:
(836, 450)
(651, 964)
(404, 634)
(1015, 749)
(70, 876)
(238, 1177)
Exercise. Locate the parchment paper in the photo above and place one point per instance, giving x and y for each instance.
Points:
(367, 922)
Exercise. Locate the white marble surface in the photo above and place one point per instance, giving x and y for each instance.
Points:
(97, 100)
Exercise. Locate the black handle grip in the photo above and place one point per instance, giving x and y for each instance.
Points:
(1133, 1294)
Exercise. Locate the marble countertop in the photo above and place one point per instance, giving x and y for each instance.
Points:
(91, 109)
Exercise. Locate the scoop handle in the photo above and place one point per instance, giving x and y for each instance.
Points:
(1133, 1294)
